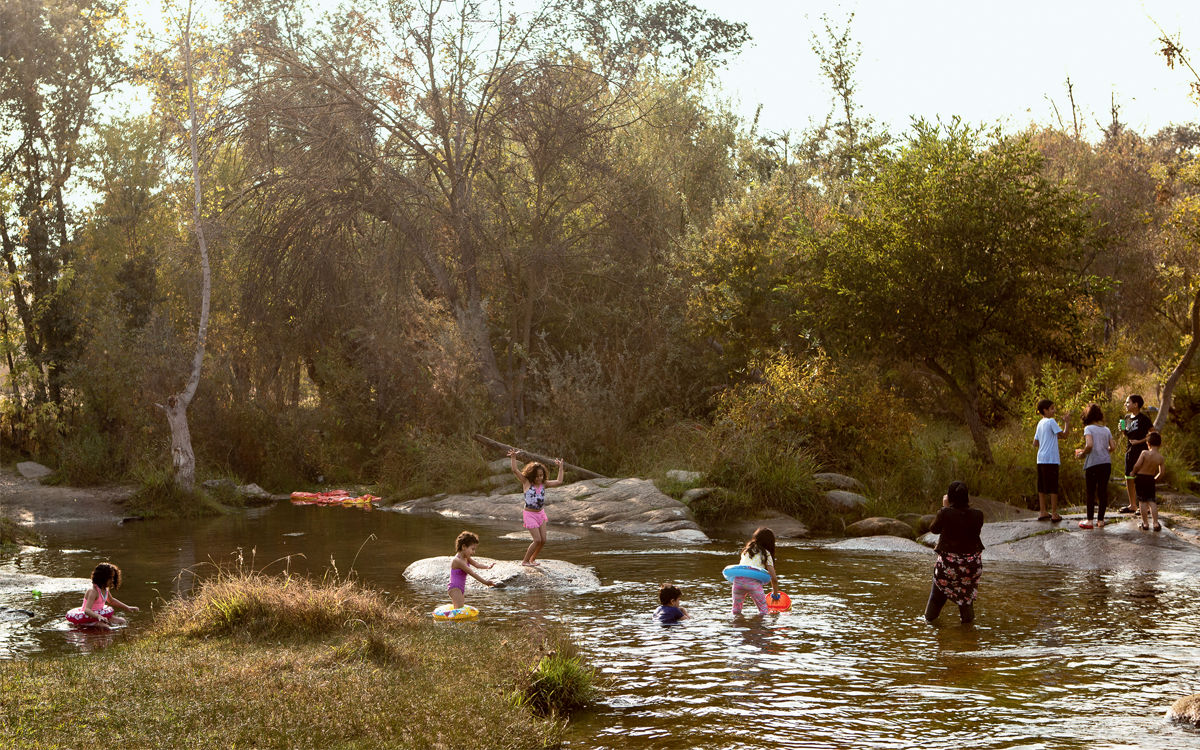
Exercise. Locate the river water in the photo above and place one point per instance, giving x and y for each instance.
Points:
(1057, 658)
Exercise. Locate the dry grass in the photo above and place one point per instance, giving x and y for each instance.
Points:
(285, 662)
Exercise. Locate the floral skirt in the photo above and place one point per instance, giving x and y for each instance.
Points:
(957, 576)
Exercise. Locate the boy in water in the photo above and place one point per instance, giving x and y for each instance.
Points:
(1045, 439)
(1149, 469)
(1137, 428)
(670, 611)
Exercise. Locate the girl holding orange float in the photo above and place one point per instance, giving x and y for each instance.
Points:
(533, 482)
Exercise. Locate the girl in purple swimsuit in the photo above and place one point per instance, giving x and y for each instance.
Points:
(460, 568)
(533, 481)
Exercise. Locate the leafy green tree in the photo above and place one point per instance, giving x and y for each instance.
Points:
(962, 258)
(57, 57)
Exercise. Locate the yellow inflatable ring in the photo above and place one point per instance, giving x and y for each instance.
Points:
(448, 612)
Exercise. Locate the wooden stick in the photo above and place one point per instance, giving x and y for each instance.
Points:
(527, 456)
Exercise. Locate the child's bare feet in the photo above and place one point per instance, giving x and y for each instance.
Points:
(1100, 524)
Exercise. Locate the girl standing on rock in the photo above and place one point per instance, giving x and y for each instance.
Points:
(533, 481)
(959, 555)
(1098, 445)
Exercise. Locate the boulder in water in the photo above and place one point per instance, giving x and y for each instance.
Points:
(629, 506)
(784, 526)
(879, 526)
(548, 574)
(1186, 710)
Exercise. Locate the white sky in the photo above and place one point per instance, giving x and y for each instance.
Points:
(986, 62)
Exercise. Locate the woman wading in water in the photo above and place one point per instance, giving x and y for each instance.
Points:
(959, 555)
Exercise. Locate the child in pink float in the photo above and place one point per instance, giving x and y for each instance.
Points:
(98, 603)
(533, 481)
(759, 553)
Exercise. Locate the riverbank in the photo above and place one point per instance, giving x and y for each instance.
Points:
(287, 662)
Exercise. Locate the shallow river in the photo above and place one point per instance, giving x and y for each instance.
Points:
(1057, 658)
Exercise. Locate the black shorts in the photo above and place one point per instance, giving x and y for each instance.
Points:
(1047, 479)
(1143, 487)
(1130, 460)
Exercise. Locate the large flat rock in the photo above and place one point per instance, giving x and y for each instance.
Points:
(629, 506)
(549, 574)
(883, 544)
(1121, 545)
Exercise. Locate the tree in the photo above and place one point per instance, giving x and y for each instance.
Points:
(57, 57)
(962, 259)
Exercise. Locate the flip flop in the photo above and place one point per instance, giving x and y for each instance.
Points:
(1055, 519)
(1086, 525)
(1158, 527)
(1143, 527)
(1043, 518)
(1127, 509)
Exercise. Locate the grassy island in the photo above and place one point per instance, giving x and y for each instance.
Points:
(287, 662)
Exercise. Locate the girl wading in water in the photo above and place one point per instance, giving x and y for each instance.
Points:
(533, 480)
(959, 555)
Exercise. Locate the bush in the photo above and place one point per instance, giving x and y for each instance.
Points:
(561, 682)
(258, 607)
(12, 533)
(86, 460)
(159, 497)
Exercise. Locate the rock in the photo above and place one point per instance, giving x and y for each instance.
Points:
(842, 501)
(551, 535)
(500, 466)
(916, 521)
(697, 493)
(216, 484)
(1185, 710)
(549, 574)
(996, 511)
(879, 526)
(499, 480)
(685, 477)
(507, 489)
(15, 614)
(829, 480)
(927, 521)
(784, 526)
(253, 490)
(882, 544)
(33, 470)
(629, 506)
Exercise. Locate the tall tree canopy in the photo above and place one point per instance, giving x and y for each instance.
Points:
(963, 258)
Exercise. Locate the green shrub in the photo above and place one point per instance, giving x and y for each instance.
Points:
(561, 683)
(158, 496)
(12, 533)
(86, 460)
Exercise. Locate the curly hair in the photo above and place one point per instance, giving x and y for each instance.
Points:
(106, 575)
(530, 472)
(465, 539)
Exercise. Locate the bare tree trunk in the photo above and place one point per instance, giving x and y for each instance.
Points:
(969, 400)
(183, 458)
(1168, 390)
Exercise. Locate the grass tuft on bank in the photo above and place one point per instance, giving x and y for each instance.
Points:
(260, 661)
(12, 533)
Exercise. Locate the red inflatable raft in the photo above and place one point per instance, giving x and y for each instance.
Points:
(334, 497)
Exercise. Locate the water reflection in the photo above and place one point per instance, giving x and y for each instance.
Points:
(1056, 658)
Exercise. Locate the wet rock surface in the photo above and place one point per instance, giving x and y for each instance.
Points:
(628, 506)
(549, 574)
(845, 502)
(1186, 710)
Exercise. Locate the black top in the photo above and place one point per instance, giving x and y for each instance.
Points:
(959, 529)
(1137, 428)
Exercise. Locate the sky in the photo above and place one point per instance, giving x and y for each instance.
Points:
(984, 62)
(987, 63)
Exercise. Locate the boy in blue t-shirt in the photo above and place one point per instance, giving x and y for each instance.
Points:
(1045, 439)
(670, 611)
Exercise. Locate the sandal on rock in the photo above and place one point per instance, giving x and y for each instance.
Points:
(1086, 525)
(1158, 527)
(1055, 519)
(1143, 527)
(1043, 518)
(1127, 509)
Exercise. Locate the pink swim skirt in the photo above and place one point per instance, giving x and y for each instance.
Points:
(534, 520)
